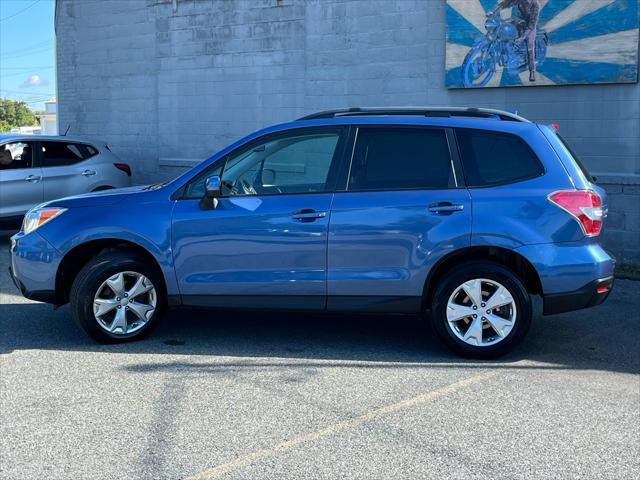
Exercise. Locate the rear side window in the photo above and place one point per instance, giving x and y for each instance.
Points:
(400, 158)
(55, 154)
(494, 158)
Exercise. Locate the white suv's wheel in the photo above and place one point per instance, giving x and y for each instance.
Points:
(481, 309)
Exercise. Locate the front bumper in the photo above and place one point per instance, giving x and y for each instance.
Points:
(34, 265)
(592, 294)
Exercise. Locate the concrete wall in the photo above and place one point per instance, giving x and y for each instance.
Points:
(166, 88)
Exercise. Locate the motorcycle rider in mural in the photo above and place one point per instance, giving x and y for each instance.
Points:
(528, 12)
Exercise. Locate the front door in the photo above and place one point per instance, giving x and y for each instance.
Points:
(401, 211)
(20, 179)
(264, 243)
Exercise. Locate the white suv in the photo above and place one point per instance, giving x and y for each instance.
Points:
(36, 169)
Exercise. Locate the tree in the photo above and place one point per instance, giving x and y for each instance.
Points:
(14, 113)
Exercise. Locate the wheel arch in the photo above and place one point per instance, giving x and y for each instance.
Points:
(78, 256)
(508, 258)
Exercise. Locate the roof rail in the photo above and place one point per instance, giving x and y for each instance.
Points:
(422, 111)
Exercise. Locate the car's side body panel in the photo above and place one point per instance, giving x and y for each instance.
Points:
(112, 217)
(251, 246)
(20, 189)
(568, 266)
(384, 243)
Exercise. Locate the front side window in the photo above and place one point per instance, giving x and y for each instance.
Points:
(494, 158)
(298, 162)
(55, 154)
(16, 155)
(401, 158)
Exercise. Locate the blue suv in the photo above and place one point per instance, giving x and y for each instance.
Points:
(463, 214)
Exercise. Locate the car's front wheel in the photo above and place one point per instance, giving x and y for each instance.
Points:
(117, 297)
(481, 309)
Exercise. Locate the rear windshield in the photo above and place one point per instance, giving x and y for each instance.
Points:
(576, 159)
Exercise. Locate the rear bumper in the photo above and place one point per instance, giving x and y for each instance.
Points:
(571, 274)
(34, 265)
(592, 294)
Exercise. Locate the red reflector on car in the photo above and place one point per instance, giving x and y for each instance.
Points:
(602, 289)
(584, 205)
(124, 167)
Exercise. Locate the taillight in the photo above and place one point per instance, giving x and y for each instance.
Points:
(124, 167)
(584, 205)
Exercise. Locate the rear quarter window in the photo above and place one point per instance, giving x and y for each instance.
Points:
(496, 158)
(56, 154)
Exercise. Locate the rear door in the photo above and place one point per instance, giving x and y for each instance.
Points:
(403, 207)
(20, 179)
(62, 170)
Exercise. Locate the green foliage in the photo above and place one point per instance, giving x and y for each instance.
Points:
(14, 113)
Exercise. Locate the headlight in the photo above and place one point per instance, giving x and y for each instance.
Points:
(37, 217)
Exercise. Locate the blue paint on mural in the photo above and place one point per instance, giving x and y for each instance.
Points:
(509, 80)
(551, 9)
(573, 71)
(464, 33)
(529, 42)
(617, 17)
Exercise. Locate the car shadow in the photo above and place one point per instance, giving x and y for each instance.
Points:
(564, 341)
(602, 338)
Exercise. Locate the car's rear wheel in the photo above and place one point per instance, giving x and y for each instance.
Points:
(481, 310)
(117, 297)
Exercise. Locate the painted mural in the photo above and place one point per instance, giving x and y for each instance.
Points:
(515, 43)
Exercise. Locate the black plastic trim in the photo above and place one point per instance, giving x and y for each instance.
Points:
(46, 296)
(584, 297)
(256, 302)
(316, 303)
(374, 304)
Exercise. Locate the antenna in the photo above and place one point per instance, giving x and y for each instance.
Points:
(66, 131)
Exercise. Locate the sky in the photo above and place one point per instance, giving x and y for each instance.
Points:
(27, 51)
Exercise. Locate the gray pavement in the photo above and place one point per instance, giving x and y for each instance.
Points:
(229, 395)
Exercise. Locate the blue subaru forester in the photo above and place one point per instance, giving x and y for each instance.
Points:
(462, 214)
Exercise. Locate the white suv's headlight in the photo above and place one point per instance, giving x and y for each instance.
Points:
(37, 217)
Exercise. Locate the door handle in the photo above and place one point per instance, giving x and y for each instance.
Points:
(307, 215)
(445, 208)
(88, 173)
(33, 178)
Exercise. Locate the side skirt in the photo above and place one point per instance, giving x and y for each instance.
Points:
(337, 303)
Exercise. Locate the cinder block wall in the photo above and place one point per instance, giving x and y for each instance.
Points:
(167, 88)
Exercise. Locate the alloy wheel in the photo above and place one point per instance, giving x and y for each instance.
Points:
(481, 312)
(124, 303)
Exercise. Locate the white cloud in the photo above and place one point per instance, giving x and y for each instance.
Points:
(35, 81)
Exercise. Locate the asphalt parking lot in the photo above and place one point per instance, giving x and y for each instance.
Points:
(229, 395)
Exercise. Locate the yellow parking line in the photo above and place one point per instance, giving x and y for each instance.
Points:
(246, 460)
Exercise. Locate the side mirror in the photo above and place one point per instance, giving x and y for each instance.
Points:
(212, 190)
(213, 187)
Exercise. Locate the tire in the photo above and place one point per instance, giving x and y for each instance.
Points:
(513, 319)
(468, 79)
(89, 286)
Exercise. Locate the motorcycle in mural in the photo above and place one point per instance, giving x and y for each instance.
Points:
(499, 48)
